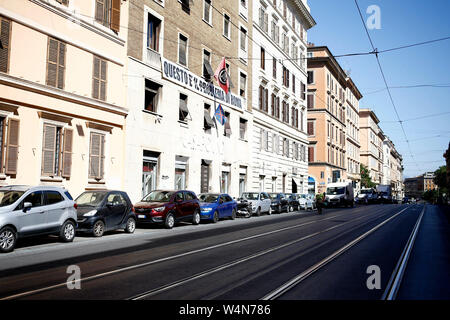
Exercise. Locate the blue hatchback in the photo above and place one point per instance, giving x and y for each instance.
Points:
(214, 206)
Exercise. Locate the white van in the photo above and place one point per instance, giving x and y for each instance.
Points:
(340, 194)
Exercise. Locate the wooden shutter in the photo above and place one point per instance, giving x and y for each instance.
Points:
(115, 15)
(99, 79)
(99, 11)
(12, 146)
(48, 150)
(310, 154)
(103, 65)
(266, 100)
(94, 155)
(310, 128)
(5, 28)
(204, 181)
(56, 63)
(67, 153)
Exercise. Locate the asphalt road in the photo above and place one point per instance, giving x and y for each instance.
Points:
(299, 255)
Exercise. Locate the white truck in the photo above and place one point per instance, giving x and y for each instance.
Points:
(340, 194)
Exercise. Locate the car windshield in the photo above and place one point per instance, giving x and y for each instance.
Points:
(273, 195)
(158, 196)
(366, 191)
(250, 196)
(9, 197)
(335, 190)
(207, 197)
(91, 198)
(303, 196)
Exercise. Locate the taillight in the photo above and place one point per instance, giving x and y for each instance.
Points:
(132, 209)
(75, 205)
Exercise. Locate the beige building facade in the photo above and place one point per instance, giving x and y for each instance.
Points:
(62, 101)
(371, 140)
(332, 120)
(173, 140)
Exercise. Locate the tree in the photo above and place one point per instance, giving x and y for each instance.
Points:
(366, 180)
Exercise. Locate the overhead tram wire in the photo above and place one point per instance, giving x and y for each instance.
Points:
(385, 82)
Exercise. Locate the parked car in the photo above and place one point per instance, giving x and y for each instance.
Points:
(105, 210)
(244, 208)
(30, 211)
(168, 207)
(307, 201)
(260, 202)
(280, 202)
(215, 206)
(294, 200)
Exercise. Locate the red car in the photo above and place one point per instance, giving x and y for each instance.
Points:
(168, 207)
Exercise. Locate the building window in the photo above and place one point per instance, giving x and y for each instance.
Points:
(243, 39)
(263, 99)
(5, 31)
(274, 67)
(183, 109)
(153, 30)
(182, 50)
(302, 91)
(225, 182)
(64, 2)
(204, 176)
(310, 102)
(208, 122)
(107, 12)
(242, 85)
(263, 19)
(311, 128)
(56, 55)
(227, 126)
(285, 77)
(310, 77)
(9, 161)
(56, 151)
(99, 79)
(242, 128)
(180, 172)
(152, 92)
(207, 11)
(208, 73)
(263, 58)
(96, 156)
(275, 143)
(185, 6)
(310, 154)
(226, 26)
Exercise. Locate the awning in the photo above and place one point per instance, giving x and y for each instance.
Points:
(206, 162)
(208, 120)
(208, 68)
(183, 107)
(311, 180)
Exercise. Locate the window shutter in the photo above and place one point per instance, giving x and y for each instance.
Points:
(99, 11)
(4, 38)
(310, 154)
(95, 78)
(12, 146)
(102, 157)
(115, 16)
(310, 128)
(94, 156)
(61, 64)
(52, 62)
(103, 80)
(67, 153)
(48, 150)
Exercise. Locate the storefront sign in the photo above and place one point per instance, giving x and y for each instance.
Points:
(185, 78)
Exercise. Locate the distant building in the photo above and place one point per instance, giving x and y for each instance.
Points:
(415, 187)
(447, 160)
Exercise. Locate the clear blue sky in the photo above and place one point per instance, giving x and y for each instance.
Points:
(403, 22)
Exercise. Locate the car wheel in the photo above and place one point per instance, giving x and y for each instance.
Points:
(258, 212)
(8, 239)
(67, 233)
(215, 217)
(196, 218)
(279, 208)
(291, 208)
(98, 229)
(270, 211)
(170, 221)
(131, 225)
(233, 214)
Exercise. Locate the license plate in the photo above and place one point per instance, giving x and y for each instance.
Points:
(141, 216)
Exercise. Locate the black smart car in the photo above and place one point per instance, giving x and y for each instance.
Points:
(280, 202)
(105, 210)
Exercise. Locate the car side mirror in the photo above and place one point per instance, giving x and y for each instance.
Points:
(26, 206)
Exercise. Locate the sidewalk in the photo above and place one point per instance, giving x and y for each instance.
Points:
(427, 274)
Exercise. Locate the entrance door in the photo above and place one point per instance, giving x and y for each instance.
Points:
(294, 186)
(204, 176)
(148, 176)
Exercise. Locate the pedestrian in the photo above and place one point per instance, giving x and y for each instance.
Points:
(320, 198)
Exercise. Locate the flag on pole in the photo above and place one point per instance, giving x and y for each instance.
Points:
(220, 115)
(221, 76)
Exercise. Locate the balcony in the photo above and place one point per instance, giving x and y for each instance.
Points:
(153, 59)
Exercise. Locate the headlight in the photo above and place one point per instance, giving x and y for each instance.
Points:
(159, 209)
(205, 209)
(90, 213)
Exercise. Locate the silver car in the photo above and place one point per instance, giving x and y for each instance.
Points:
(29, 211)
(307, 201)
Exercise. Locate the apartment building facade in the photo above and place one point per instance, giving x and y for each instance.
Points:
(279, 139)
(416, 186)
(353, 147)
(173, 139)
(333, 101)
(371, 139)
(62, 102)
(392, 169)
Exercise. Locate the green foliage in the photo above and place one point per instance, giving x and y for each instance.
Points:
(431, 195)
(366, 180)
